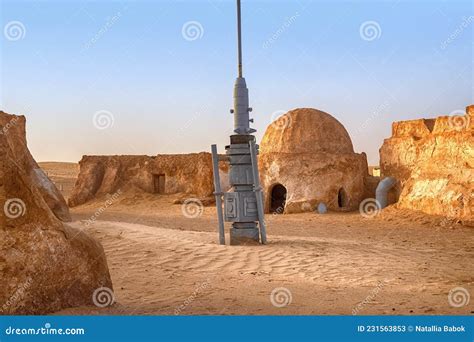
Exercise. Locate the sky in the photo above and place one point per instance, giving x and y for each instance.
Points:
(150, 77)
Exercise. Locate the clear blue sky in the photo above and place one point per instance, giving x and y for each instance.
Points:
(168, 94)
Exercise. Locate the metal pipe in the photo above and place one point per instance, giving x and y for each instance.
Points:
(239, 38)
(381, 193)
(218, 193)
(258, 191)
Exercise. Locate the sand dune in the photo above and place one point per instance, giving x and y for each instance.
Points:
(327, 268)
(161, 262)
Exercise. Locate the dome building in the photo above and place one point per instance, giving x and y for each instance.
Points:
(307, 158)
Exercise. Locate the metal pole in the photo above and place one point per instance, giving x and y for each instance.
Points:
(258, 191)
(239, 38)
(218, 193)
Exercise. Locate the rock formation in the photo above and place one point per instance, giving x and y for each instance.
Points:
(306, 157)
(433, 160)
(13, 127)
(162, 174)
(45, 265)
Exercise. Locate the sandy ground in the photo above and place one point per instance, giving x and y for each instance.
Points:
(162, 262)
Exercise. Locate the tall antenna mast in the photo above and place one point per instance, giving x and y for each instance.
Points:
(239, 37)
(243, 203)
(241, 108)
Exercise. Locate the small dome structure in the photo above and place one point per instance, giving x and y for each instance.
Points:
(306, 130)
(307, 158)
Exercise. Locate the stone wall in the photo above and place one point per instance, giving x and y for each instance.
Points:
(178, 173)
(433, 161)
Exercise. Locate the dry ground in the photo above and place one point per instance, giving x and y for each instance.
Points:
(62, 174)
(162, 262)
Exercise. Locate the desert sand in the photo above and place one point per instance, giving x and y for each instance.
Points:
(63, 175)
(162, 262)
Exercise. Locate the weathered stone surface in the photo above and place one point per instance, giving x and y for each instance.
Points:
(182, 173)
(45, 265)
(306, 130)
(310, 153)
(13, 127)
(433, 160)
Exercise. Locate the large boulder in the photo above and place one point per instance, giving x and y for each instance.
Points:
(433, 161)
(45, 265)
(13, 127)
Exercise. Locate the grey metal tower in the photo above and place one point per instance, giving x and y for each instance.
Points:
(243, 204)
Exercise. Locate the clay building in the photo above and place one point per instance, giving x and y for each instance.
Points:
(161, 174)
(307, 158)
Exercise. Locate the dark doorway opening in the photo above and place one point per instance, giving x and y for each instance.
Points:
(342, 200)
(278, 199)
(159, 184)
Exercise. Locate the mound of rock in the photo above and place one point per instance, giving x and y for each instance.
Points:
(433, 161)
(13, 127)
(161, 174)
(45, 265)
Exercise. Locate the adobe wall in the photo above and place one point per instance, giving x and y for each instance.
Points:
(433, 161)
(183, 173)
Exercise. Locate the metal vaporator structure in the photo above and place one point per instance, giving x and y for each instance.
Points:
(243, 205)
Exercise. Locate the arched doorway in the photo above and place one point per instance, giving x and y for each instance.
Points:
(278, 199)
(342, 200)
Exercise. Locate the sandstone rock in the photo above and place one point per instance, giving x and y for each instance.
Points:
(307, 156)
(45, 265)
(165, 174)
(470, 110)
(433, 160)
(13, 127)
